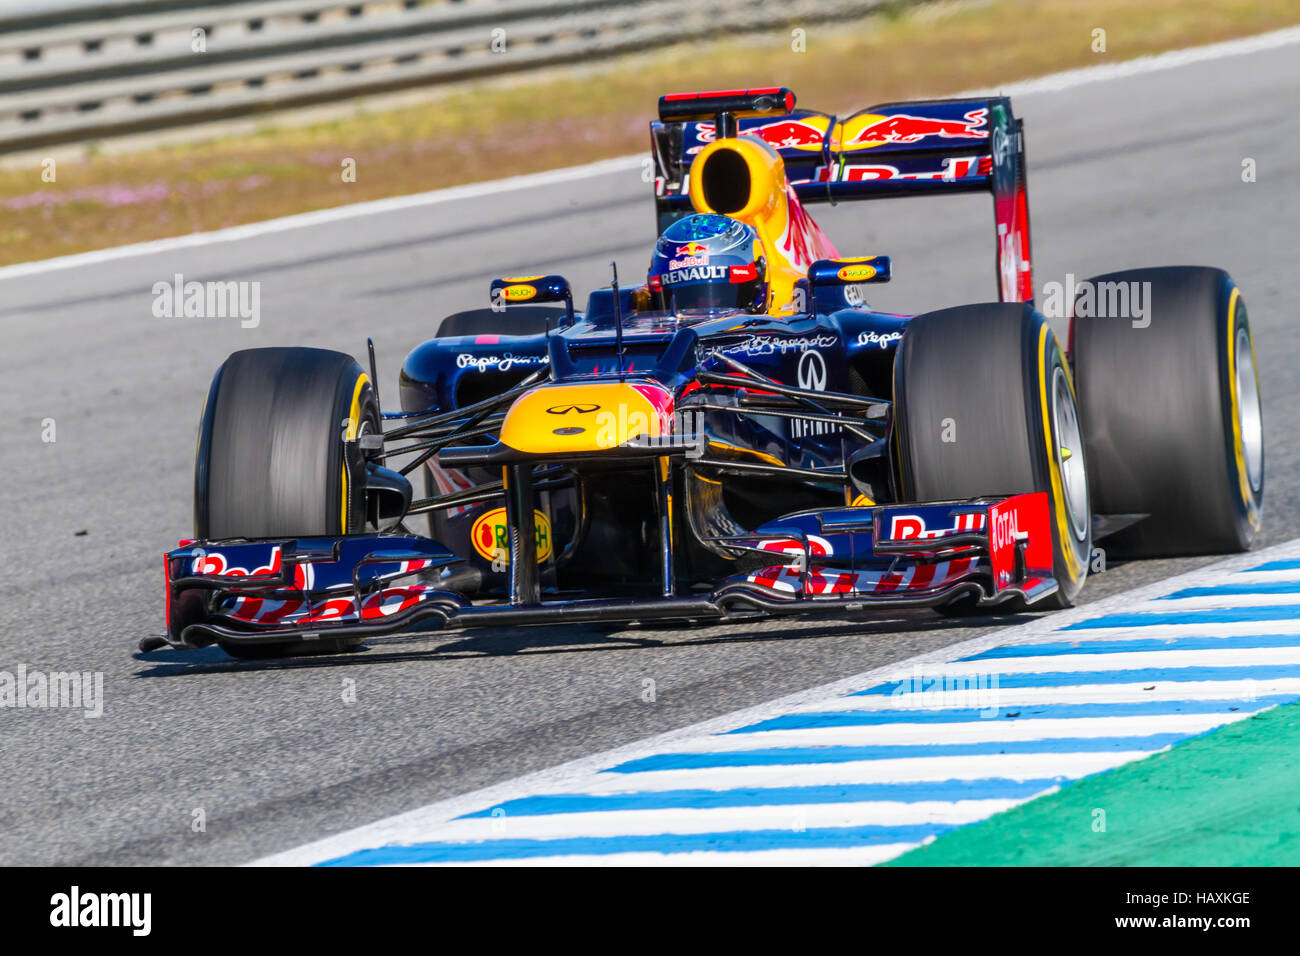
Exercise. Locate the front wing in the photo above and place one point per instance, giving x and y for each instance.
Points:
(990, 550)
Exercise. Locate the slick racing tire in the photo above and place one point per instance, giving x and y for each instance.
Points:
(270, 460)
(984, 405)
(1172, 419)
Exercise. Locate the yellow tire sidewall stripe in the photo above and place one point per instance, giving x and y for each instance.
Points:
(1064, 525)
(1238, 446)
(354, 424)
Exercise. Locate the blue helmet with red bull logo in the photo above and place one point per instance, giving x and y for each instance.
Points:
(706, 264)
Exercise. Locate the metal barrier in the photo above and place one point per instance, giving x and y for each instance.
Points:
(75, 70)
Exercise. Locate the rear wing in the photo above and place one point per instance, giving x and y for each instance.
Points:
(894, 149)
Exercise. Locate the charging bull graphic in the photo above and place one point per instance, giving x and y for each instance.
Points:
(906, 129)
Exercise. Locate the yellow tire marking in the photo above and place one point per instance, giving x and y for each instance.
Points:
(1063, 522)
(354, 423)
(1238, 446)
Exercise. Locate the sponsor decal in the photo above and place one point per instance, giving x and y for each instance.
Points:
(788, 134)
(519, 293)
(884, 340)
(694, 249)
(856, 273)
(259, 610)
(502, 363)
(687, 262)
(907, 128)
(812, 376)
(214, 562)
(912, 527)
(954, 167)
(817, 546)
(1004, 531)
(1001, 144)
(337, 610)
(812, 371)
(774, 344)
(819, 579)
(807, 134)
(746, 273)
(490, 535)
(573, 409)
(1021, 521)
(694, 274)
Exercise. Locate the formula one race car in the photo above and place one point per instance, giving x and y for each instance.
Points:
(739, 435)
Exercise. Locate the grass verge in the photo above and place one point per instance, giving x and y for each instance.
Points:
(1228, 798)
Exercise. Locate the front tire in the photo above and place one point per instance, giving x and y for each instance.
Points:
(984, 405)
(270, 461)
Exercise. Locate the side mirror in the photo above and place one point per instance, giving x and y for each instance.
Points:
(839, 272)
(520, 290)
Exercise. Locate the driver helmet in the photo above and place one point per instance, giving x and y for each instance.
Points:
(707, 264)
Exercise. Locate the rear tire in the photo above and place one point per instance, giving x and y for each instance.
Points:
(270, 460)
(1171, 413)
(519, 320)
(984, 405)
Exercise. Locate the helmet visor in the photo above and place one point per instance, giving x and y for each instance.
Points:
(737, 291)
(707, 298)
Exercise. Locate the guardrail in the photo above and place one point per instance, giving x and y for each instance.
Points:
(73, 70)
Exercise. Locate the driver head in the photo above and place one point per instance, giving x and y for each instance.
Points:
(707, 264)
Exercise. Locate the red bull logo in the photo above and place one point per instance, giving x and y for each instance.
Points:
(783, 134)
(788, 134)
(693, 249)
(906, 128)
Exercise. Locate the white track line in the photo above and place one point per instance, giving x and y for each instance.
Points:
(829, 856)
(1137, 660)
(1013, 697)
(1032, 766)
(427, 821)
(1215, 601)
(1052, 83)
(679, 820)
(966, 731)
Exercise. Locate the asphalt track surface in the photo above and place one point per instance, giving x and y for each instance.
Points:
(1144, 170)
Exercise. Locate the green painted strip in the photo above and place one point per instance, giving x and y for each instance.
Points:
(1227, 798)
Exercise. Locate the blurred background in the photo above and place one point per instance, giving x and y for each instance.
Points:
(128, 120)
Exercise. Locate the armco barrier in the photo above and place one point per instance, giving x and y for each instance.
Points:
(74, 70)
